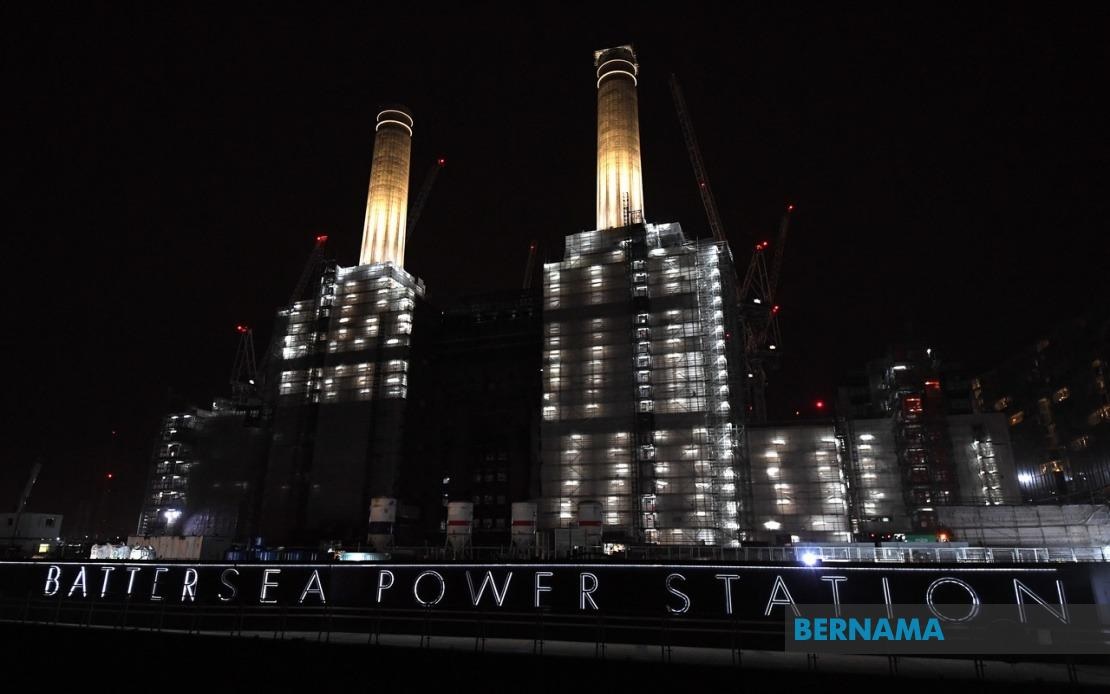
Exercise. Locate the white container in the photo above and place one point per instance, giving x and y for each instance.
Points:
(524, 525)
(460, 524)
(590, 514)
(383, 516)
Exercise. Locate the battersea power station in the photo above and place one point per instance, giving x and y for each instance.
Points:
(615, 401)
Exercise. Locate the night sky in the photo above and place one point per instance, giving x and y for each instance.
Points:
(167, 170)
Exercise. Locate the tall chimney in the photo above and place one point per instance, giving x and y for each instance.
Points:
(620, 184)
(383, 233)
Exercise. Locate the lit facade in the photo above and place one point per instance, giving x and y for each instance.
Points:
(869, 450)
(386, 223)
(836, 481)
(204, 474)
(168, 482)
(342, 388)
(799, 484)
(639, 405)
(1055, 397)
(620, 183)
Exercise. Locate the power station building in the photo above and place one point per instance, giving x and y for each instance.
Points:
(341, 369)
(640, 425)
(614, 401)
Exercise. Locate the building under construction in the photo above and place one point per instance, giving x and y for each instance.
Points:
(204, 475)
(1055, 397)
(340, 370)
(624, 400)
(640, 410)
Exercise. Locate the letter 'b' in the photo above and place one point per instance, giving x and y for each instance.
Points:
(802, 631)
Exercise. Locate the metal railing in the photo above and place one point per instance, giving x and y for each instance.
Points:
(907, 553)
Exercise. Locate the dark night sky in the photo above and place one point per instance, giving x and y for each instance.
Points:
(167, 170)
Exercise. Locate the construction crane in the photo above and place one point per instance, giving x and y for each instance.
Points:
(780, 245)
(530, 267)
(422, 195)
(762, 338)
(244, 371)
(316, 259)
(314, 270)
(707, 199)
(25, 495)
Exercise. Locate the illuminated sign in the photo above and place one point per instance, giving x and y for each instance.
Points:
(735, 591)
(979, 608)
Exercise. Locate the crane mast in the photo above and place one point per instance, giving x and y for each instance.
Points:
(530, 267)
(704, 189)
(422, 195)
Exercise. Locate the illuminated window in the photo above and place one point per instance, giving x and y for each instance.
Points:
(1016, 418)
(1061, 395)
(1080, 443)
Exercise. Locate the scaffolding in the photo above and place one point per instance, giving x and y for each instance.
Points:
(638, 412)
(358, 313)
(342, 381)
(203, 473)
(876, 504)
(168, 483)
(799, 484)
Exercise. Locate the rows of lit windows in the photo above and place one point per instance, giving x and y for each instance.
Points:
(584, 376)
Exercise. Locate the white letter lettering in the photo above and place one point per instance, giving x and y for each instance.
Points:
(79, 581)
(224, 581)
(584, 593)
(154, 586)
(416, 588)
(382, 585)
(728, 579)
(780, 586)
(498, 595)
(675, 591)
(1020, 588)
(189, 587)
(540, 588)
(833, 581)
(53, 580)
(319, 589)
(267, 585)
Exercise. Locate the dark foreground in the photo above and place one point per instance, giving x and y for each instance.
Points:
(54, 656)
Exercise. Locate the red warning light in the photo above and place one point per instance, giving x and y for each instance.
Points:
(775, 308)
(820, 404)
(241, 329)
(789, 208)
(109, 475)
(441, 162)
(321, 238)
